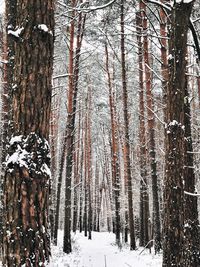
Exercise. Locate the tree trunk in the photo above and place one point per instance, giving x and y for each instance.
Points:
(27, 173)
(58, 193)
(86, 173)
(53, 144)
(164, 63)
(89, 163)
(115, 152)
(69, 139)
(81, 183)
(8, 53)
(181, 238)
(126, 128)
(77, 166)
(191, 222)
(151, 135)
(144, 197)
(72, 99)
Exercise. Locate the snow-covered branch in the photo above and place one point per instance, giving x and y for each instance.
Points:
(191, 194)
(81, 8)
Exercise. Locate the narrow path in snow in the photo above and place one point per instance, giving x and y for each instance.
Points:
(101, 251)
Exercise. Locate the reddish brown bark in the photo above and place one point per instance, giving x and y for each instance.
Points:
(68, 142)
(26, 183)
(164, 63)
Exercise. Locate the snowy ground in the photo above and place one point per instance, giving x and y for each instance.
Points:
(101, 252)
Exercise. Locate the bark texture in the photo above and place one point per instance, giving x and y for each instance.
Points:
(27, 173)
(181, 237)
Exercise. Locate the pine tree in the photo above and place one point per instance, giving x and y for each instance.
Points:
(27, 172)
(180, 230)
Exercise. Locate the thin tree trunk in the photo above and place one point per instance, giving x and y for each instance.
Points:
(126, 128)
(115, 152)
(53, 145)
(144, 197)
(76, 175)
(58, 193)
(151, 134)
(96, 190)
(81, 181)
(86, 173)
(164, 63)
(69, 139)
(89, 163)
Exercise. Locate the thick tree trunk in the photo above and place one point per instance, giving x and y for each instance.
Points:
(27, 173)
(181, 237)
(7, 51)
(126, 128)
(191, 223)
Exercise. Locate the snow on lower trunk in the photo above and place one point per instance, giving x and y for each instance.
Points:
(101, 251)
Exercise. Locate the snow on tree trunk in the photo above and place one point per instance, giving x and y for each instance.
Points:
(180, 230)
(27, 166)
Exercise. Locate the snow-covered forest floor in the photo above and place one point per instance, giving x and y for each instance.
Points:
(101, 251)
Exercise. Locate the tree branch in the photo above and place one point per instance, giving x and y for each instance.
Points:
(89, 9)
(195, 37)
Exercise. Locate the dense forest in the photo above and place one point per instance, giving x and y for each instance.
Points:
(100, 120)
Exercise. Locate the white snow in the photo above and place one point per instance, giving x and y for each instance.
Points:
(18, 157)
(183, 1)
(24, 158)
(170, 57)
(16, 33)
(46, 169)
(173, 123)
(44, 28)
(101, 251)
(16, 139)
